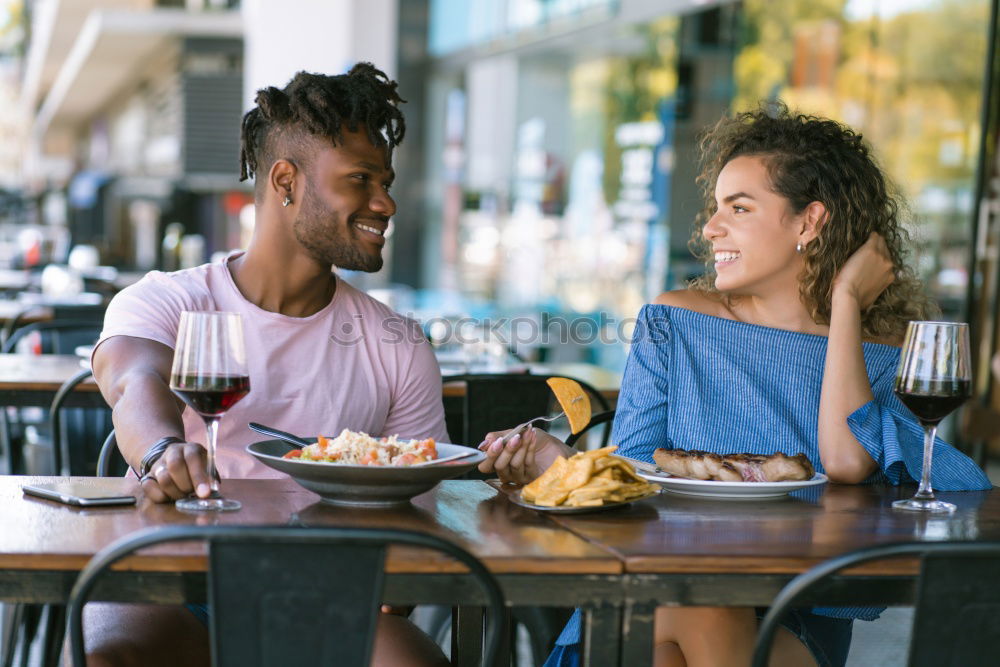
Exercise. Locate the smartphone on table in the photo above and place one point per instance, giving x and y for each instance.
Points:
(81, 494)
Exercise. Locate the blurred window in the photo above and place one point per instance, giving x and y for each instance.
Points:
(563, 174)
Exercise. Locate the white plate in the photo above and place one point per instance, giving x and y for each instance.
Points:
(733, 490)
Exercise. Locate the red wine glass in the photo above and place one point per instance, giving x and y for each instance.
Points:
(209, 373)
(932, 380)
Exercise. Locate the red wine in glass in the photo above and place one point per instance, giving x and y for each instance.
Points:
(211, 395)
(932, 380)
(209, 373)
(932, 401)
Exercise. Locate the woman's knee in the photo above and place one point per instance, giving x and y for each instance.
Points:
(672, 624)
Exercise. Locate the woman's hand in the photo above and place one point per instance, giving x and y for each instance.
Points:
(179, 472)
(524, 457)
(866, 273)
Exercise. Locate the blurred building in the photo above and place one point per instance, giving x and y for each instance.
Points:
(136, 108)
(134, 104)
(558, 138)
(550, 158)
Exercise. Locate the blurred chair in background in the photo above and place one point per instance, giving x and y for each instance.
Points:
(493, 402)
(85, 427)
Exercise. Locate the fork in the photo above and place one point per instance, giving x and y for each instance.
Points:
(521, 428)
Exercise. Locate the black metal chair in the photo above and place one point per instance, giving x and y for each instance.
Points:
(79, 458)
(957, 619)
(597, 419)
(106, 459)
(58, 337)
(296, 615)
(492, 402)
(503, 400)
(28, 619)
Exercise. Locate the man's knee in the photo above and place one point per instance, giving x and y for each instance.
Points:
(117, 655)
(119, 635)
(399, 643)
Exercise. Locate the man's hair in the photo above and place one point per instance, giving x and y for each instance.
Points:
(319, 106)
(816, 159)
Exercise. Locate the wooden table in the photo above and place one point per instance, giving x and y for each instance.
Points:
(33, 380)
(617, 565)
(16, 280)
(25, 314)
(44, 544)
(693, 551)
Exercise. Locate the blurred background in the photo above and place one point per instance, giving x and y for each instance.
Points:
(546, 186)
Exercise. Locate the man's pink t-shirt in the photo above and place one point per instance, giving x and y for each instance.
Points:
(355, 364)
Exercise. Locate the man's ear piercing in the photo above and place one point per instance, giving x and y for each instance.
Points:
(287, 200)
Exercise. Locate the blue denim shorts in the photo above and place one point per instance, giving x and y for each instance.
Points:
(200, 611)
(828, 639)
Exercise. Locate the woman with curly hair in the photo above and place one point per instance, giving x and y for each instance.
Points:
(788, 344)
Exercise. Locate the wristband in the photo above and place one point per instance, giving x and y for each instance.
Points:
(155, 452)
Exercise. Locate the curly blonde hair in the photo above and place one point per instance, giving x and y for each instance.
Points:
(816, 159)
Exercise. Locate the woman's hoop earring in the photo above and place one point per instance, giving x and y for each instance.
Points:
(799, 247)
(287, 200)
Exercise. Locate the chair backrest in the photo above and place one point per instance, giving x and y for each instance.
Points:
(957, 619)
(59, 336)
(503, 400)
(60, 445)
(107, 458)
(283, 595)
(597, 419)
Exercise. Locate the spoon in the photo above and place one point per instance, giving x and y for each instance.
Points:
(281, 435)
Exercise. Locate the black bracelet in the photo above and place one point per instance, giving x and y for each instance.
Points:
(155, 452)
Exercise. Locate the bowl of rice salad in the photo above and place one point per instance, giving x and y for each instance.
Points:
(356, 448)
(358, 470)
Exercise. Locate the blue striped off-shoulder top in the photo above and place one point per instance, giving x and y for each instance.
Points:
(694, 381)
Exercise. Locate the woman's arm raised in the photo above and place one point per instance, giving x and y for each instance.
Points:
(846, 386)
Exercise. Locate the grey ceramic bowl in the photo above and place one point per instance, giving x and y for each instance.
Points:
(364, 486)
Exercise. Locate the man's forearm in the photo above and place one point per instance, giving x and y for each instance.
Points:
(145, 411)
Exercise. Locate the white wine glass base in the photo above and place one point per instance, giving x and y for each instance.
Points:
(932, 505)
(209, 504)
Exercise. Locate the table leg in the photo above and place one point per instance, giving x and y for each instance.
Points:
(601, 635)
(467, 635)
(637, 634)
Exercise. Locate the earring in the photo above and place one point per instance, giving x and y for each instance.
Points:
(799, 247)
(287, 200)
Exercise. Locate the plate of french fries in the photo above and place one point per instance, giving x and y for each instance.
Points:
(585, 482)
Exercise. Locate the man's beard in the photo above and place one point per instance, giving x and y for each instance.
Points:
(328, 241)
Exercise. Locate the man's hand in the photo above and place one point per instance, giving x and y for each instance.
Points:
(524, 457)
(179, 472)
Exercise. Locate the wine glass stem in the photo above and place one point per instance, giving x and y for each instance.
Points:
(925, 490)
(212, 426)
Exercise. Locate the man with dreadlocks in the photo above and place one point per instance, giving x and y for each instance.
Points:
(322, 356)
